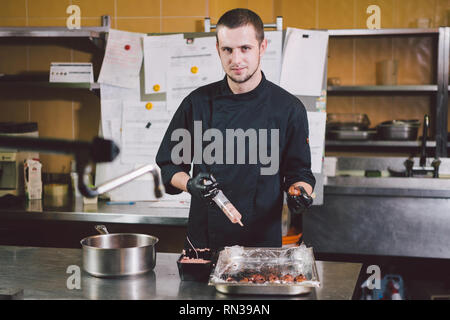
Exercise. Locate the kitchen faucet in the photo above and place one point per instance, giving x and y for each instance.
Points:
(423, 169)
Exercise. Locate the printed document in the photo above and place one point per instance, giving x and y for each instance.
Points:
(156, 60)
(123, 59)
(303, 65)
(142, 131)
(191, 65)
(317, 121)
(271, 60)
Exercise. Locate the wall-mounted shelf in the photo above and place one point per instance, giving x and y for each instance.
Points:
(379, 143)
(381, 32)
(46, 84)
(380, 88)
(95, 34)
(53, 32)
(438, 90)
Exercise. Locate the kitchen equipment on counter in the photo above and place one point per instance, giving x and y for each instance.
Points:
(32, 172)
(85, 153)
(99, 150)
(348, 126)
(118, 254)
(398, 130)
(275, 271)
(11, 160)
(56, 195)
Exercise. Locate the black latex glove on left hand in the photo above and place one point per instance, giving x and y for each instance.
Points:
(298, 200)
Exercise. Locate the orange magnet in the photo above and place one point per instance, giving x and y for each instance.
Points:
(156, 87)
(194, 69)
(149, 106)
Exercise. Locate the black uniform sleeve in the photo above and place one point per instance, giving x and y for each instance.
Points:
(180, 120)
(296, 162)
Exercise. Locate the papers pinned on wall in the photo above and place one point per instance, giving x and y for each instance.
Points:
(156, 60)
(303, 65)
(271, 60)
(192, 64)
(316, 122)
(143, 127)
(123, 59)
(108, 92)
(127, 124)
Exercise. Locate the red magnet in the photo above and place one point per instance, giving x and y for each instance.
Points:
(127, 47)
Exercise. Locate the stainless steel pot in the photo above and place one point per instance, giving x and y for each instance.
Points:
(118, 254)
(398, 130)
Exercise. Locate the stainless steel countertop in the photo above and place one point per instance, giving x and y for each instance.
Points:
(144, 212)
(176, 214)
(41, 273)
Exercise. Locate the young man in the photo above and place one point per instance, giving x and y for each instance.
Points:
(243, 102)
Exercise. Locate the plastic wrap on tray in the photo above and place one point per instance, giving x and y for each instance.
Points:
(266, 266)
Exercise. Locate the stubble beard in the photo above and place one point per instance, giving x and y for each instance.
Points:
(246, 78)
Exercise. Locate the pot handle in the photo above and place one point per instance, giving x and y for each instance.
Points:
(101, 229)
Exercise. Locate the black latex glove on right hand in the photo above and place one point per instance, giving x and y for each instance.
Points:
(197, 188)
(298, 200)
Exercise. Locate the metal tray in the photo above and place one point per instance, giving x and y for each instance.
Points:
(266, 257)
(351, 135)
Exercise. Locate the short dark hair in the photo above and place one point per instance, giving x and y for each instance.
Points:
(239, 17)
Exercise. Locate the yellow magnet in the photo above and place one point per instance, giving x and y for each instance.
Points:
(149, 106)
(156, 87)
(194, 69)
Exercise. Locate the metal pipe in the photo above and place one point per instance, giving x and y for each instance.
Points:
(116, 182)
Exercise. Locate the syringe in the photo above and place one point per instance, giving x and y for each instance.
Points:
(216, 195)
(227, 207)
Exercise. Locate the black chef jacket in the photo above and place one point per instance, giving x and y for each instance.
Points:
(259, 198)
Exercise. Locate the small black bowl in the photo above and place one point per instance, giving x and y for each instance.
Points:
(195, 271)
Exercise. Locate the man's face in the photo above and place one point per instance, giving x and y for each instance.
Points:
(240, 52)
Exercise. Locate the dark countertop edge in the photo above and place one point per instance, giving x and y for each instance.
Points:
(390, 192)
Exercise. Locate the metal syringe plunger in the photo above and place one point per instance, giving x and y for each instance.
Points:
(218, 197)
